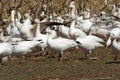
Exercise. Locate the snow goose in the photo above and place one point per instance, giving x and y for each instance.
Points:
(86, 13)
(114, 33)
(4, 38)
(60, 44)
(64, 30)
(6, 49)
(99, 29)
(72, 9)
(42, 37)
(115, 42)
(12, 28)
(116, 11)
(75, 32)
(27, 29)
(89, 43)
(22, 48)
(85, 23)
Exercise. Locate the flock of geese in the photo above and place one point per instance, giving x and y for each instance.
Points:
(81, 31)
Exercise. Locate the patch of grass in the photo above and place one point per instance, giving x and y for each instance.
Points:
(73, 68)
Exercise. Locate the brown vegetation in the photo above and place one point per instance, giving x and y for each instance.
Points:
(58, 5)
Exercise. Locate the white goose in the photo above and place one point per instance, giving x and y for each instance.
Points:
(64, 30)
(60, 44)
(23, 48)
(4, 38)
(26, 29)
(85, 23)
(12, 28)
(116, 11)
(114, 33)
(72, 10)
(43, 37)
(115, 42)
(89, 43)
(6, 50)
(75, 32)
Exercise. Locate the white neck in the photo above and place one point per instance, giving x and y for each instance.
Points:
(87, 15)
(38, 30)
(1, 34)
(13, 16)
(72, 12)
(19, 16)
(72, 25)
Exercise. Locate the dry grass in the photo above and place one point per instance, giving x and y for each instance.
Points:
(72, 68)
(59, 5)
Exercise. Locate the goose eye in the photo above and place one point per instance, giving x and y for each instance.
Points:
(52, 28)
(78, 42)
(100, 14)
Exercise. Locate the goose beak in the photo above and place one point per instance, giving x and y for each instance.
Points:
(109, 41)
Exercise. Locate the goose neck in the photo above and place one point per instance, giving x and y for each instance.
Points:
(38, 30)
(72, 25)
(49, 38)
(13, 16)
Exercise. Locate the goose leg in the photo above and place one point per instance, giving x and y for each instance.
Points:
(24, 57)
(92, 58)
(61, 56)
(0, 60)
(40, 52)
(115, 58)
(45, 52)
(9, 58)
(86, 55)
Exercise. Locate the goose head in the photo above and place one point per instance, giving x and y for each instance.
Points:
(44, 7)
(72, 9)
(86, 13)
(102, 15)
(109, 41)
(72, 4)
(37, 20)
(27, 15)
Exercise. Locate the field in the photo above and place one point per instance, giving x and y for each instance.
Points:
(47, 67)
(73, 67)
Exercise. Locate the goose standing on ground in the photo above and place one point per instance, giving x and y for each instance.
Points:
(60, 44)
(27, 29)
(12, 28)
(72, 10)
(4, 38)
(23, 48)
(6, 50)
(116, 11)
(115, 42)
(114, 33)
(75, 32)
(85, 23)
(64, 30)
(43, 37)
(89, 43)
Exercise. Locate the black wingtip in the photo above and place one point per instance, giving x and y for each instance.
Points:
(39, 40)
